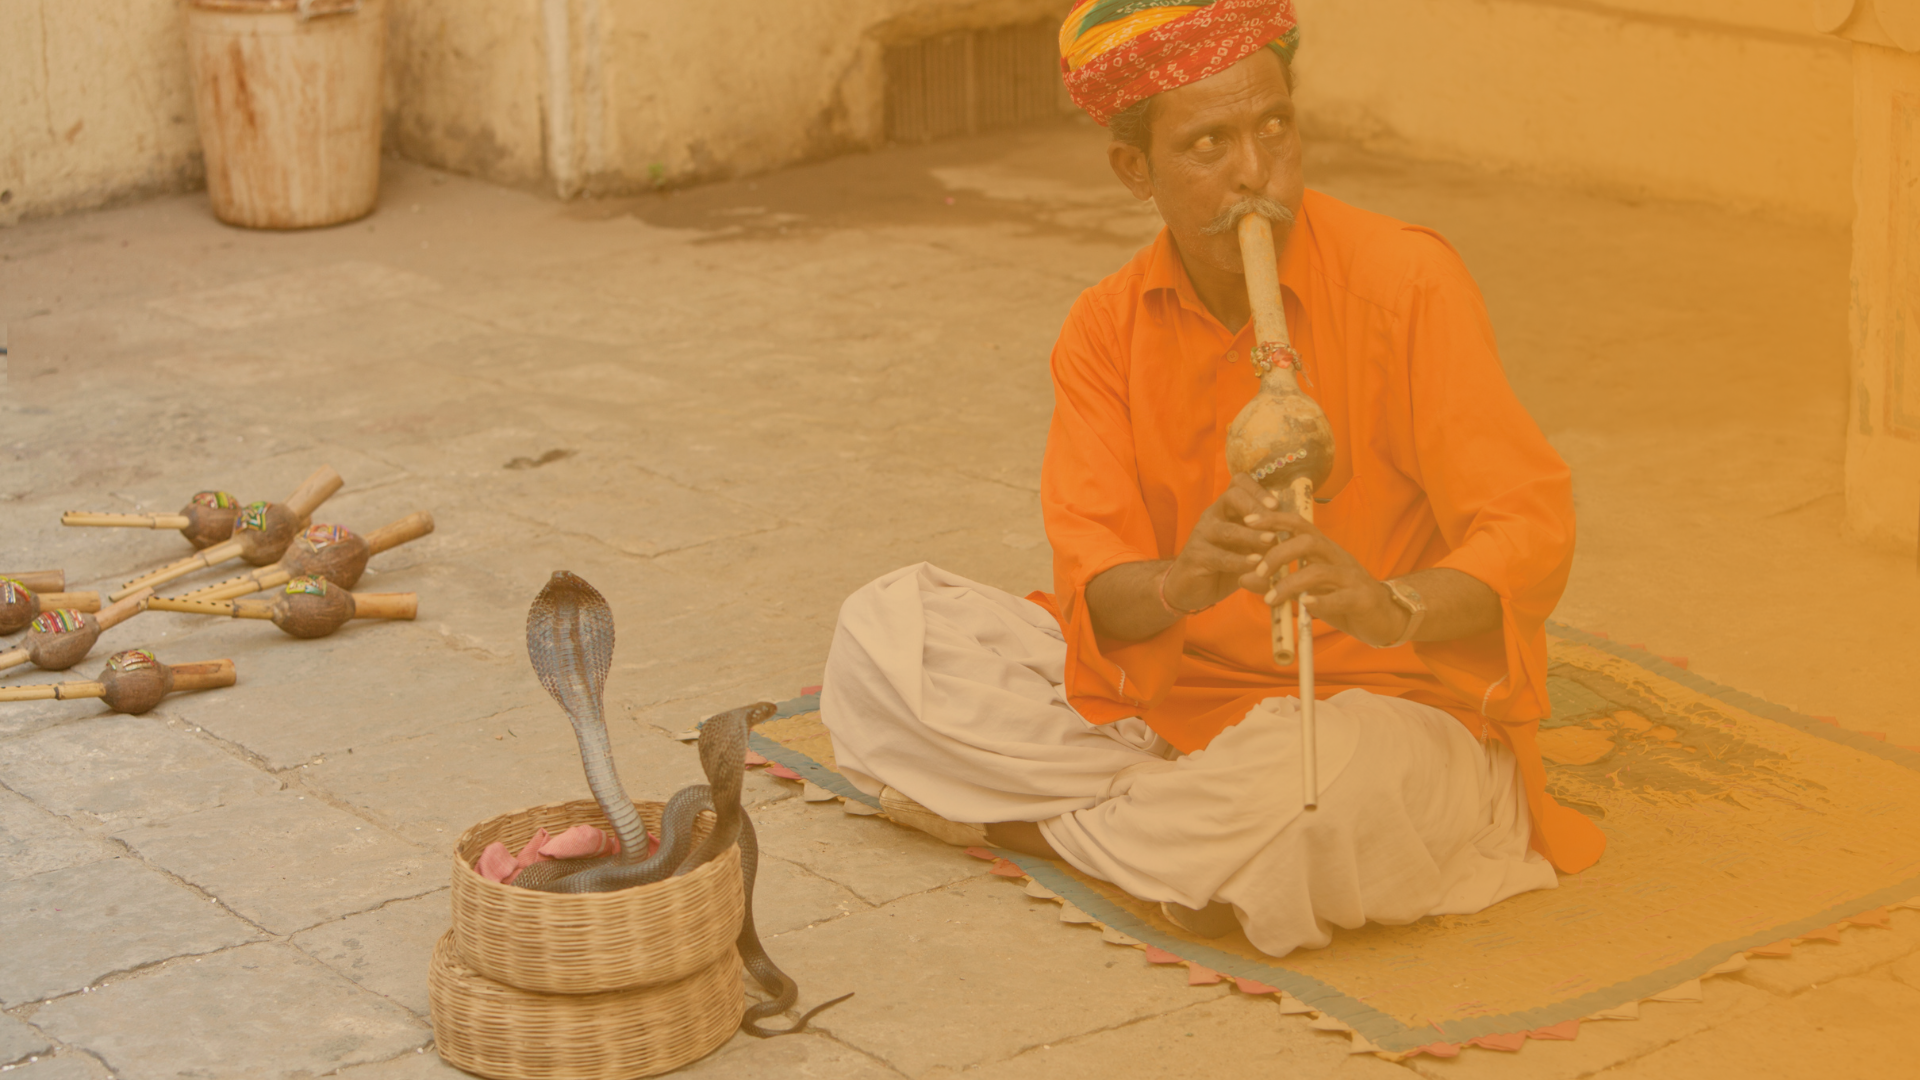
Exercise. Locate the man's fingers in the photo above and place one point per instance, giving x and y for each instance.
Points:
(1239, 538)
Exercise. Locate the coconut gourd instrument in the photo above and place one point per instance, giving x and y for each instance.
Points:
(306, 607)
(206, 520)
(1282, 439)
(20, 605)
(261, 533)
(133, 682)
(327, 551)
(56, 640)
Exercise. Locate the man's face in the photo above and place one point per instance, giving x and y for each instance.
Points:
(1215, 143)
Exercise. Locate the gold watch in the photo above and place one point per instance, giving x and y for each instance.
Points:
(1409, 598)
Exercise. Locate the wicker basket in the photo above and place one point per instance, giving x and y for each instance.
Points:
(592, 942)
(498, 1031)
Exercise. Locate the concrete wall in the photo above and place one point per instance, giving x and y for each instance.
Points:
(95, 103)
(1738, 102)
(1735, 101)
(1883, 433)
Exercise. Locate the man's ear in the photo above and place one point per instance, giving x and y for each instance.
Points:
(1129, 163)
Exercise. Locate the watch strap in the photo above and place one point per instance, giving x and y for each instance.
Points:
(1409, 598)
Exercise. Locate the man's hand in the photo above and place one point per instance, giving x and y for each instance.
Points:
(1224, 543)
(1335, 587)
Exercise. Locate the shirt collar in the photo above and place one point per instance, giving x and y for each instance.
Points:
(1166, 271)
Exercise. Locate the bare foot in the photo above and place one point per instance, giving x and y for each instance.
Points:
(1021, 836)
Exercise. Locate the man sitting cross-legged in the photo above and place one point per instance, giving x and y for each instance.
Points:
(1134, 723)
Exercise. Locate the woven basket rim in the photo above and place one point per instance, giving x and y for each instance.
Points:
(462, 863)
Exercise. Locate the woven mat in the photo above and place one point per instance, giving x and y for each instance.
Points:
(1735, 827)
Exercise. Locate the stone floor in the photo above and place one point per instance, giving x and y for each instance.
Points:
(727, 408)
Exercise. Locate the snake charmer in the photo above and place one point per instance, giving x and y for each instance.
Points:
(1134, 722)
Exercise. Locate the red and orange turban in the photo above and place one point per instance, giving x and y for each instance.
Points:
(1117, 52)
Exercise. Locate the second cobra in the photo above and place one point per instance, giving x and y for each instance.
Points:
(570, 640)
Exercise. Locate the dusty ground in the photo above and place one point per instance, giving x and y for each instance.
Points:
(764, 394)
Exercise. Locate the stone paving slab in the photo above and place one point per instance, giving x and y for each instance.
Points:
(67, 928)
(126, 770)
(1906, 970)
(1170, 1045)
(260, 1012)
(965, 975)
(422, 1064)
(806, 1055)
(1851, 1027)
(876, 860)
(787, 896)
(71, 1065)
(33, 841)
(288, 861)
(1604, 1043)
(384, 950)
(19, 1042)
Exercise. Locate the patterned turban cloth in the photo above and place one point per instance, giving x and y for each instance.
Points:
(1114, 53)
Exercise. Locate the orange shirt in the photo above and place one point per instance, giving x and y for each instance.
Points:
(1437, 464)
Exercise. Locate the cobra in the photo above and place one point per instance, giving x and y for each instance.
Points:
(570, 640)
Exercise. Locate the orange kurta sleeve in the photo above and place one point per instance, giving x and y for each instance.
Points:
(1503, 501)
(1096, 519)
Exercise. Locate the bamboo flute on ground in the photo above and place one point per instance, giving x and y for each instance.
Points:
(133, 682)
(308, 607)
(327, 551)
(206, 520)
(1282, 439)
(20, 605)
(57, 640)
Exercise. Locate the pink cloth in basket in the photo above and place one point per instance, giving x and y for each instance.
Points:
(579, 842)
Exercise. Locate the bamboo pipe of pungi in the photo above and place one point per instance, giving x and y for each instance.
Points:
(260, 534)
(39, 580)
(20, 605)
(57, 640)
(206, 520)
(307, 607)
(1282, 439)
(133, 682)
(327, 551)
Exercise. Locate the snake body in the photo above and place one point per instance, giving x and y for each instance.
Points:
(570, 640)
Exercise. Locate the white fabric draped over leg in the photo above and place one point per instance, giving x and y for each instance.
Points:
(951, 692)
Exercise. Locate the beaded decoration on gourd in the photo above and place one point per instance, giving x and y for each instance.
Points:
(58, 621)
(214, 500)
(132, 660)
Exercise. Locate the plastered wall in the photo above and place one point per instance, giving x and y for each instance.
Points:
(95, 103)
(1738, 102)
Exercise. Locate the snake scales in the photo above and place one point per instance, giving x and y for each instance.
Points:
(570, 640)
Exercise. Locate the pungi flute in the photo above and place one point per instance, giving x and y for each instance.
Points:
(1282, 439)
(261, 533)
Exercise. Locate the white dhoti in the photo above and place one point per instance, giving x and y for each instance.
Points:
(952, 693)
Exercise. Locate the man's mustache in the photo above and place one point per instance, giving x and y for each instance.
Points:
(1229, 219)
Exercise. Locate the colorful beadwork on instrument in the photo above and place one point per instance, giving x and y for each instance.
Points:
(132, 660)
(1273, 354)
(1278, 463)
(11, 591)
(309, 584)
(322, 536)
(218, 500)
(58, 621)
(252, 516)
